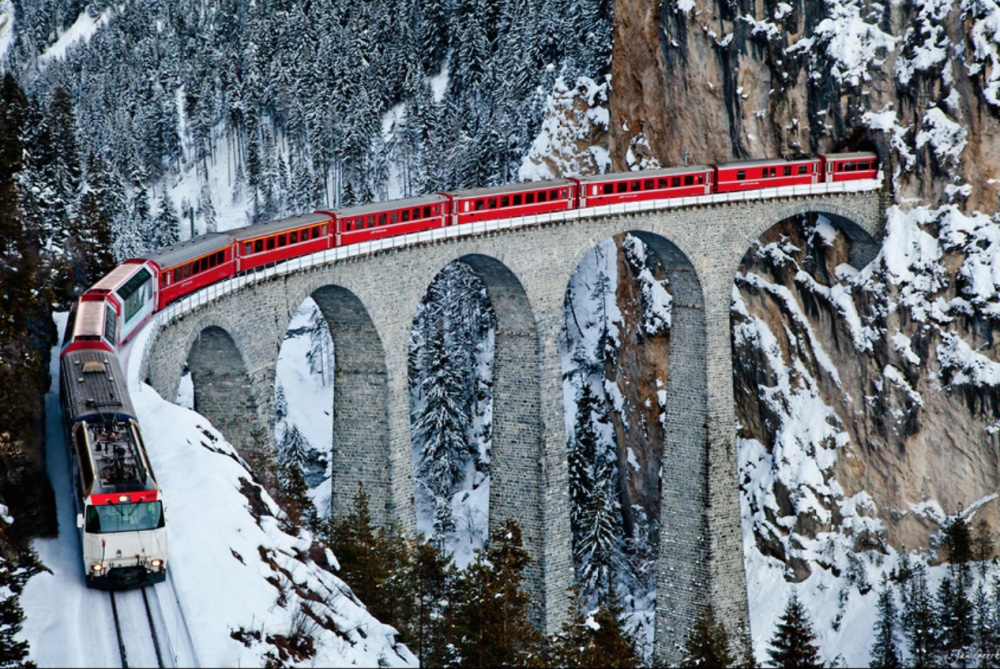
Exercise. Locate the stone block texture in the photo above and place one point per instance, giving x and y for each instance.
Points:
(370, 301)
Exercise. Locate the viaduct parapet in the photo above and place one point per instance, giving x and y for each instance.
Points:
(229, 337)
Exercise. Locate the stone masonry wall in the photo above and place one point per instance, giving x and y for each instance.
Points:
(371, 301)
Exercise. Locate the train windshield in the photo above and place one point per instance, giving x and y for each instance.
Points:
(124, 517)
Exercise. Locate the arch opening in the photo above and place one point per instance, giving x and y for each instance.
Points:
(451, 359)
(220, 389)
(635, 406)
(808, 360)
(304, 396)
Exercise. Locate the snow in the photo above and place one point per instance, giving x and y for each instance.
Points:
(6, 26)
(926, 38)
(985, 37)
(82, 29)
(947, 138)
(562, 146)
(852, 46)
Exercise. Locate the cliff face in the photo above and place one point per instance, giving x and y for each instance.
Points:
(897, 362)
(895, 368)
(915, 80)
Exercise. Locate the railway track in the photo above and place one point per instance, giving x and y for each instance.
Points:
(137, 624)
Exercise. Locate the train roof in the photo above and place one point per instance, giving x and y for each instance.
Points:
(761, 162)
(855, 155)
(118, 276)
(512, 188)
(646, 174)
(280, 225)
(89, 320)
(189, 249)
(93, 385)
(391, 205)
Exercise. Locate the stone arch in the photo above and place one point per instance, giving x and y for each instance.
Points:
(361, 448)
(223, 388)
(517, 487)
(863, 234)
(682, 569)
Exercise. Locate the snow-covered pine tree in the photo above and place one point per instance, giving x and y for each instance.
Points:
(442, 427)
(885, 651)
(581, 457)
(142, 218)
(794, 642)
(919, 620)
(166, 225)
(598, 549)
(321, 354)
(206, 210)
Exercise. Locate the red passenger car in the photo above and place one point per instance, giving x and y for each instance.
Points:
(185, 267)
(765, 173)
(512, 200)
(849, 166)
(387, 219)
(647, 185)
(274, 241)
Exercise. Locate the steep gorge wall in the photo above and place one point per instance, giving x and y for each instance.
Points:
(907, 429)
(916, 80)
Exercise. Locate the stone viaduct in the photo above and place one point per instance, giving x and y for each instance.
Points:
(231, 341)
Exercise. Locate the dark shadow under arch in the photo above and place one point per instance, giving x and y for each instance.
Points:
(222, 388)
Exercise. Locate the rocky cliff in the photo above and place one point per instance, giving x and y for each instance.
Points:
(917, 80)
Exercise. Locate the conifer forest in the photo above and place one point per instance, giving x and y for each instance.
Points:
(869, 515)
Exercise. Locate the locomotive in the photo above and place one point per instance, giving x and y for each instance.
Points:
(108, 314)
(119, 512)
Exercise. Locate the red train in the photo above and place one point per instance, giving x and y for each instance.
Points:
(110, 312)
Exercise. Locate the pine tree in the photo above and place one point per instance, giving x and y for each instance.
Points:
(954, 609)
(599, 548)
(919, 620)
(983, 549)
(492, 614)
(707, 642)
(573, 646)
(986, 626)
(884, 652)
(142, 219)
(427, 630)
(794, 643)
(166, 225)
(206, 210)
(954, 619)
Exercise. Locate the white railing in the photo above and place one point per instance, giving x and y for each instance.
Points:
(145, 338)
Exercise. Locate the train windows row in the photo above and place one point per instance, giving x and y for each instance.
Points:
(536, 197)
(197, 266)
(651, 184)
(390, 218)
(772, 172)
(278, 241)
(854, 166)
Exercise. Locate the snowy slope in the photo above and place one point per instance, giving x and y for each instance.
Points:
(221, 555)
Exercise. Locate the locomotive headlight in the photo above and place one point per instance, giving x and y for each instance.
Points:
(97, 568)
(157, 563)
(123, 498)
